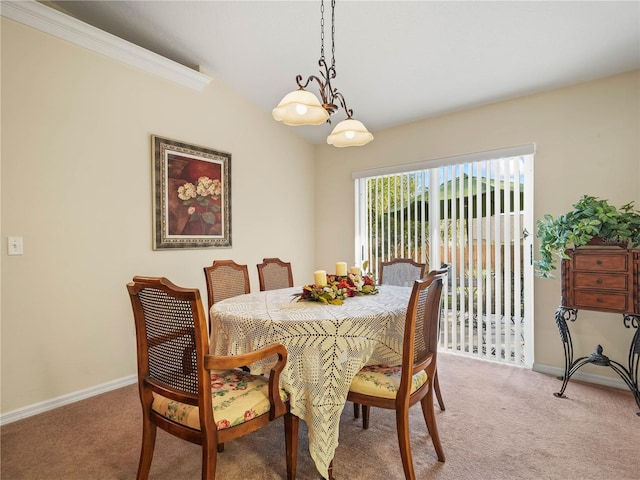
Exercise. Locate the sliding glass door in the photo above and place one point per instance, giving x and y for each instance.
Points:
(473, 213)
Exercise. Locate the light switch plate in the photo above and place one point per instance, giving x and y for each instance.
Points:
(15, 245)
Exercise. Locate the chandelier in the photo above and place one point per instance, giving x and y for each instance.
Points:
(301, 107)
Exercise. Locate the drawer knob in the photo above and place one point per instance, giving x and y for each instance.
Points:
(599, 262)
(599, 299)
(599, 281)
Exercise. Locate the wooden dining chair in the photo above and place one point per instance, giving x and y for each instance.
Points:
(401, 272)
(274, 274)
(226, 279)
(402, 386)
(444, 269)
(181, 385)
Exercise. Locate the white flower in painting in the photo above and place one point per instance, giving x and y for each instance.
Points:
(203, 186)
(216, 188)
(187, 191)
(207, 187)
(200, 200)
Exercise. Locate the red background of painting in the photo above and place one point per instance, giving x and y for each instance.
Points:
(180, 171)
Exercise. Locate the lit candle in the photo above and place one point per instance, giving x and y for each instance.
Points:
(341, 269)
(355, 270)
(320, 278)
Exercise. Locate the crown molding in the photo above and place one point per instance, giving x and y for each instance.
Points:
(46, 19)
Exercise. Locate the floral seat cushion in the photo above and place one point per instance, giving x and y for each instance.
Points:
(237, 397)
(383, 381)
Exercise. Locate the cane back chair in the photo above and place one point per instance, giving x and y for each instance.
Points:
(181, 385)
(274, 274)
(401, 272)
(402, 386)
(226, 279)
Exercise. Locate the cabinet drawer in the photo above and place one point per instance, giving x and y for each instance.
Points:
(600, 281)
(601, 300)
(600, 262)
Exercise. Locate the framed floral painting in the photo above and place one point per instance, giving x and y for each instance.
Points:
(191, 195)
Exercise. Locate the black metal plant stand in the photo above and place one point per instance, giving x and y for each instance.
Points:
(629, 375)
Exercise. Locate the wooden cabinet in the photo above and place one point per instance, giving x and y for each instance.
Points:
(603, 280)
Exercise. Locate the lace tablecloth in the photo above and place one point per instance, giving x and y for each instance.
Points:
(327, 346)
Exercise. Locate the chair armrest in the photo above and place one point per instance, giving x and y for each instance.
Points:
(219, 362)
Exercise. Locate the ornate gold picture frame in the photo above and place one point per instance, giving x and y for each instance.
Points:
(191, 195)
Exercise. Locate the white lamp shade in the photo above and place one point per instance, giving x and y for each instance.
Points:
(300, 108)
(349, 133)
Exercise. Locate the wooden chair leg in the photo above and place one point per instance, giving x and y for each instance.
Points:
(209, 459)
(402, 425)
(220, 447)
(436, 387)
(291, 425)
(429, 414)
(366, 410)
(149, 430)
(356, 410)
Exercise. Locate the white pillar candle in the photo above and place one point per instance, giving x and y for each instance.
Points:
(355, 270)
(341, 269)
(320, 278)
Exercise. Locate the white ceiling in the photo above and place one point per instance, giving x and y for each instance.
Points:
(396, 61)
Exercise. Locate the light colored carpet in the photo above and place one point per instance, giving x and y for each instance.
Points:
(501, 422)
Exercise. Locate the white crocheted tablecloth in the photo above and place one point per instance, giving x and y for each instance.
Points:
(327, 345)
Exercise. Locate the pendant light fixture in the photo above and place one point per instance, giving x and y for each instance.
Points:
(301, 107)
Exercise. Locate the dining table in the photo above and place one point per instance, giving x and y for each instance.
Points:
(326, 345)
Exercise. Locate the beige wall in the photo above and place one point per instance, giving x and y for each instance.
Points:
(76, 165)
(76, 184)
(588, 142)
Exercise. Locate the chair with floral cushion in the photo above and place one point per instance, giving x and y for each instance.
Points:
(401, 386)
(403, 272)
(274, 274)
(194, 395)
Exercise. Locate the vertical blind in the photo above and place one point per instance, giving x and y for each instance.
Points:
(472, 213)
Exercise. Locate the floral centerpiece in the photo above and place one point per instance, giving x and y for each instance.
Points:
(338, 288)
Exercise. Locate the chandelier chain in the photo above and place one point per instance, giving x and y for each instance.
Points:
(322, 29)
(333, 33)
(329, 94)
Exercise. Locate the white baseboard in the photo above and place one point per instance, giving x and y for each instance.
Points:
(65, 400)
(583, 377)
